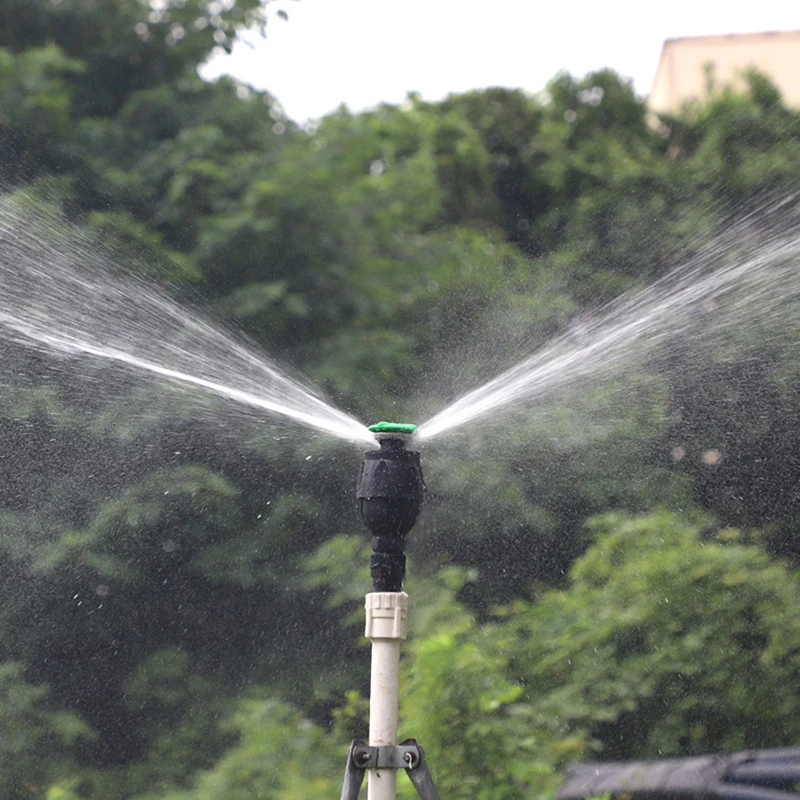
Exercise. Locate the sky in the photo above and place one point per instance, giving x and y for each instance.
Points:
(364, 52)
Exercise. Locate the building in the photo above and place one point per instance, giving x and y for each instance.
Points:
(682, 74)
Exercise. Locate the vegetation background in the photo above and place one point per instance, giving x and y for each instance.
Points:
(615, 576)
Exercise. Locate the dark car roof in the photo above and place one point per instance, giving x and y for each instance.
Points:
(749, 775)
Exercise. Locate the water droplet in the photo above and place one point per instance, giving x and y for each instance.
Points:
(712, 457)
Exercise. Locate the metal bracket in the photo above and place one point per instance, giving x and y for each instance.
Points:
(408, 755)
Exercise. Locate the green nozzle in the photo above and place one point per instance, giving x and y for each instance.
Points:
(393, 427)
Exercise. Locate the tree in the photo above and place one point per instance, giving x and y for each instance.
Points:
(35, 740)
(672, 638)
(464, 708)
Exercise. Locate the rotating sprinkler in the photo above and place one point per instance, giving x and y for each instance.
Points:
(389, 492)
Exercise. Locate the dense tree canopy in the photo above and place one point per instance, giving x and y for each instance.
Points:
(608, 572)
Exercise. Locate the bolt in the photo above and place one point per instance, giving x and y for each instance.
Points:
(361, 756)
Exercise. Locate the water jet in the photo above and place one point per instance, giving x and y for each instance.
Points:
(64, 295)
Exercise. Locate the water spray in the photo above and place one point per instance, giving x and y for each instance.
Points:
(389, 492)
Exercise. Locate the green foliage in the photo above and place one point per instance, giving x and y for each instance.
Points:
(175, 520)
(464, 708)
(280, 756)
(181, 711)
(666, 641)
(35, 740)
(36, 111)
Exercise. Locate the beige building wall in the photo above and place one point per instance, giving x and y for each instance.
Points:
(681, 73)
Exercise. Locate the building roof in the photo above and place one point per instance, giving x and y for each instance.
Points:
(688, 64)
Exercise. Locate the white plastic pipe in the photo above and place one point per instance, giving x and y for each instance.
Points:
(387, 615)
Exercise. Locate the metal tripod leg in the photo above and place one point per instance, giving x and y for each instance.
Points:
(420, 775)
(353, 773)
(408, 755)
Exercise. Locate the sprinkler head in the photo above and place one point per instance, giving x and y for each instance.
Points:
(389, 492)
(388, 430)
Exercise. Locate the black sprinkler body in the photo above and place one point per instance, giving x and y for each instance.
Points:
(389, 492)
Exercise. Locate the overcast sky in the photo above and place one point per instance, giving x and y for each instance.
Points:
(362, 52)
